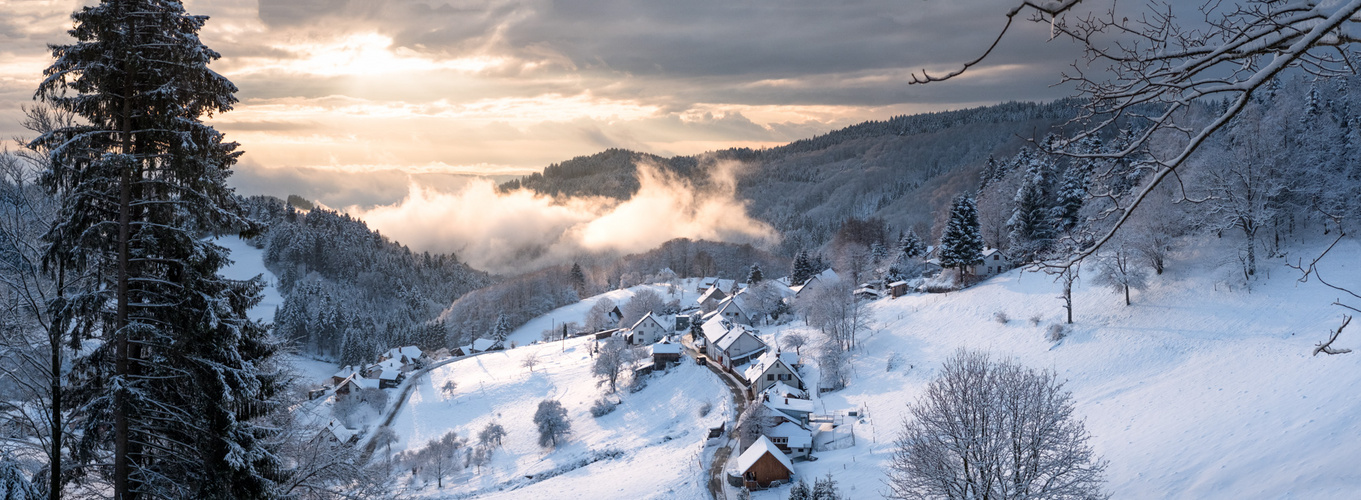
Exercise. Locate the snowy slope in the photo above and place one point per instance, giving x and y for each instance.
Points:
(648, 448)
(248, 262)
(533, 330)
(1198, 390)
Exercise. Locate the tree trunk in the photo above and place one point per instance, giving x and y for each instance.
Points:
(1126, 297)
(121, 483)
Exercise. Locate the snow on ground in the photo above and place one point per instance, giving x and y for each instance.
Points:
(651, 443)
(533, 330)
(1197, 390)
(247, 263)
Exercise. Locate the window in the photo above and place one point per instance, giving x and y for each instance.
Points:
(770, 376)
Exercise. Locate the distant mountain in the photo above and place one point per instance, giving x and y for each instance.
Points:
(904, 170)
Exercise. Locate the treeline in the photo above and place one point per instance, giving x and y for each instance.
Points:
(1290, 162)
(349, 291)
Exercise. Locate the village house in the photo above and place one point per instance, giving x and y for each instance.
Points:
(484, 345)
(664, 353)
(345, 372)
(783, 390)
(788, 409)
(354, 384)
(994, 262)
(815, 281)
(866, 293)
(792, 439)
(897, 289)
(408, 356)
(763, 465)
(647, 330)
(731, 309)
(709, 300)
(770, 369)
(338, 435)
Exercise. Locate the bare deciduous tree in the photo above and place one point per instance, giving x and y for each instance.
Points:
(529, 361)
(1158, 67)
(997, 430)
(1117, 269)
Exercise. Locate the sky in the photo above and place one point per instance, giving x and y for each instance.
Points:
(406, 113)
(353, 100)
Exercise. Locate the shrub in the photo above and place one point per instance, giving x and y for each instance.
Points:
(1056, 332)
(1035, 320)
(603, 407)
(1000, 317)
(705, 408)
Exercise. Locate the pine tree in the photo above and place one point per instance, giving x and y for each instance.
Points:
(961, 245)
(180, 375)
(755, 276)
(1030, 223)
(14, 485)
(803, 269)
(578, 278)
(1071, 194)
(825, 489)
(800, 491)
(910, 245)
(501, 329)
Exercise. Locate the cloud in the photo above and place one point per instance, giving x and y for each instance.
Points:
(521, 230)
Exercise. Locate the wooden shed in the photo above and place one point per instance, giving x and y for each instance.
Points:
(764, 465)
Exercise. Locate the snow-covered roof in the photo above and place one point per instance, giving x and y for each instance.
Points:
(790, 405)
(761, 447)
(480, 345)
(645, 318)
(411, 352)
(789, 358)
(897, 284)
(345, 371)
(989, 251)
(715, 329)
(390, 374)
(866, 291)
(796, 435)
(665, 347)
(733, 335)
(781, 389)
(729, 305)
(713, 292)
(358, 382)
(340, 432)
(767, 361)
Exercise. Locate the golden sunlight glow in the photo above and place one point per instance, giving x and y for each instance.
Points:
(363, 54)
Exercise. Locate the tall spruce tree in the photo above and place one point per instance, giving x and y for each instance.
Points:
(755, 276)
(179, 377)
(961, 245)
(803, 269)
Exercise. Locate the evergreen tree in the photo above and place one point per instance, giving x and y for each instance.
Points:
(961, 245)
(502, 328)
(910, 245)
(1071, 194)
(578, 278)
(755, 276)
(14, 485)
(825, 489)
(803, 269)
(800, 491)
(1030, 223)
(180, 375)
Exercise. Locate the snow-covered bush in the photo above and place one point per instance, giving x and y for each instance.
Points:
(894, 361)
(1056, 332)
(705, 408)
(602, 407)
(1035, 320)
(1000, 317)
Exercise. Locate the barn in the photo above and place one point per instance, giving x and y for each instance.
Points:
(763, 464)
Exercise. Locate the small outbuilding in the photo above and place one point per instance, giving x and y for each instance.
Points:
(897, 289)
(763, 465)
(664, 353)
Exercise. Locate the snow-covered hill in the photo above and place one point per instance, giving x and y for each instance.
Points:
(1200, 389)
(649, 447)
(249, 262)
(1203, 388)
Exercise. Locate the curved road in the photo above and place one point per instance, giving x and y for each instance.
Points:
(723, 453)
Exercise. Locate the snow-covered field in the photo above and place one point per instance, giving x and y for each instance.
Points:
(247, 263)
(1197, 390)
(651, 443)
